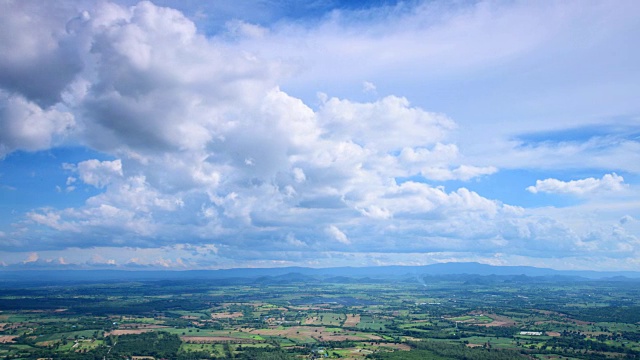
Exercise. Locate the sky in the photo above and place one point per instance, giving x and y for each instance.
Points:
(265, 133)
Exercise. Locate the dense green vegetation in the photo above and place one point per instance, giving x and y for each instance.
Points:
(156, 344)
(302, 317)
(439, 350)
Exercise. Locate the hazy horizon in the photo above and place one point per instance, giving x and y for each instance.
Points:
(206, 135)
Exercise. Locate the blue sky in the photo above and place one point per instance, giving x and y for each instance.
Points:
(262, 133)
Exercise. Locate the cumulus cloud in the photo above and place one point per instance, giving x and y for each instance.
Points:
(41, 55)
(161, 86)
(439, 163)
(95, 172)
(608, 183)
(26, 126)
(383, 125)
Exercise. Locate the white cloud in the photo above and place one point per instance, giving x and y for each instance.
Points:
(337, 234)
(26, 126)
(97, 259)
(442, 57)
(52, 219)
(160, 86)
(385, 125)
(627, 219)
(96, 173)
(41, 55)
(376, 212)
(608, 183)
(242, 29)
(463, 172)
(291, 240)
(33, 257)
(439, 163)
(610, 151)
(434, 38)
(440, 154)
(298, 175)
(368, 87)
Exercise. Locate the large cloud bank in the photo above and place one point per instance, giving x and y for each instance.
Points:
(212, 164)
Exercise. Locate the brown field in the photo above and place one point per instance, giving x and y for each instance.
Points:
(352, 321)
(548, 312)
(474, 345)
(254, 304)
(215, 339)
(553, 333)
(549, 322)
(46, 343)
(127, 332)
(7, 339)
(226, 315)
(141, 326)
(469, 321)
(318, 333)
(283, 309)
(497, 323)
(311, 320)
(411, 338)
(499, 320)
(396, 346)
(579, 322)
(303, 308)
(359, 353)
(595, 333)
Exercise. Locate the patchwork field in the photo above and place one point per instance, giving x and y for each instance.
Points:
(352, 320)
(380, 320)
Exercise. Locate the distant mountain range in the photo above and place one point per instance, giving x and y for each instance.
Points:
(455, 270)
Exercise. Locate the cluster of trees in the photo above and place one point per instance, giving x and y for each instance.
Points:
(575, 344)
(622, 314)
(489, 331)
(265, 354)
(42, 303)
(44, 353)
(441, 351)
(156, 344)
(439, 332)
(146, 307)
(631, 336)
(98, 324)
